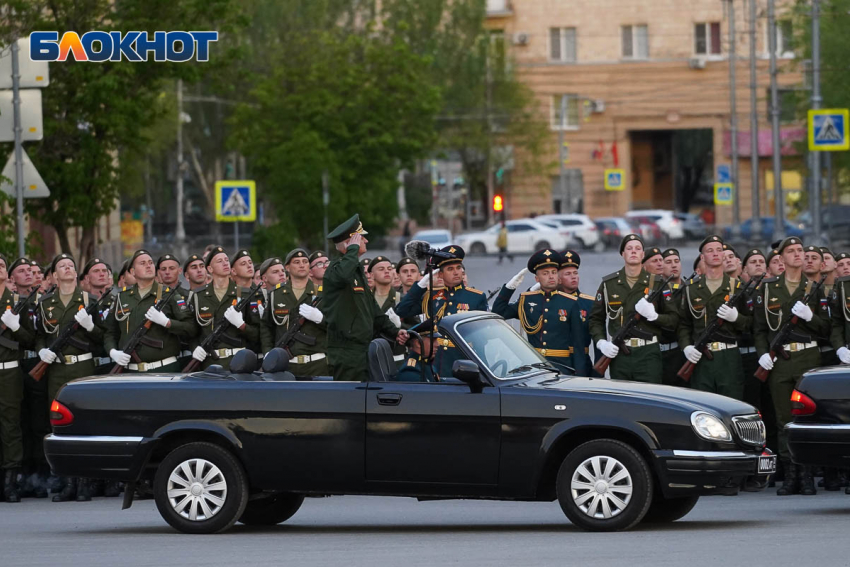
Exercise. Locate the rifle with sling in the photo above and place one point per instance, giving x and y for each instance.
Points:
(786, 332)
(16, 309)
(294, 333)
(679, 290)
(66, 336)
(701, 344)
(220, 326)
(619, 338)
(140, 332)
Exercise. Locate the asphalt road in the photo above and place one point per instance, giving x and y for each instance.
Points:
(747, 530)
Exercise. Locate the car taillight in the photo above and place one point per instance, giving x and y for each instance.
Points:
(591, 228)
(801, 404)
(60, 415)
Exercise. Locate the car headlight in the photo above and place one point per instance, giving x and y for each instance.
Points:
(710, 427)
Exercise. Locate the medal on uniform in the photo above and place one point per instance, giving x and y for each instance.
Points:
(562, 314)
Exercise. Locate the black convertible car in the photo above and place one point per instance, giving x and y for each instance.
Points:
(249, 446)
(820, 432)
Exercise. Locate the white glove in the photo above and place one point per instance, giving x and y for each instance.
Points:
(234, 317)
(49, 357)
(727, 313)
(393, 317)
(11, 320)
(843, 355)
(311, 313)
(766, 362)
(261, 309)
(692, 354)
(535, 287)
(84, 319)
(120, 357)
(801, 310)
(156, 316)
(608, 348)
(646, 309)
(517, 279)
(423, 282)
(199, 354)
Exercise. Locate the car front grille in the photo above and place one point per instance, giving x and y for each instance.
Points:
(750, 429)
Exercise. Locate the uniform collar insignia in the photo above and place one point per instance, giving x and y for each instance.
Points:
(280, 304)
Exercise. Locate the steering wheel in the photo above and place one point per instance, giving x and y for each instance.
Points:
(503, 364)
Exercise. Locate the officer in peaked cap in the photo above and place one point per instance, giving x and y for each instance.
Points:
(550, 318)
(421, 355)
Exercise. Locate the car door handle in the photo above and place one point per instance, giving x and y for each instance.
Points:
(389, 399)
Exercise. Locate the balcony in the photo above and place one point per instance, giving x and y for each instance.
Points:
(499, 9)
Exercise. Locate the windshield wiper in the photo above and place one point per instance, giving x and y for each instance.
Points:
(543, 365)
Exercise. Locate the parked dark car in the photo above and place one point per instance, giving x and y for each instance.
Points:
(820, 432)
(649, 230)
(612, 230)
(693, 226)
(248, 446)
(766, 232)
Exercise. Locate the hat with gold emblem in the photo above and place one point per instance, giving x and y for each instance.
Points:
(630, 238)
(346, 230)
(297, 253)
(457, 255)
(544, 259)
(709, 239)
(570, 259)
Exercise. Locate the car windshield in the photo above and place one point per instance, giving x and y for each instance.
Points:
(433, 238)
(501, 349)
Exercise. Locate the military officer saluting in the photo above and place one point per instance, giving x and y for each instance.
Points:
(160, 347)
(283, 310)
(421, 355)
(550, 318)
(621, 295)
(455, 297)
(215, 303)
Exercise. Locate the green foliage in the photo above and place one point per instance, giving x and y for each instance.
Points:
(33, 245)
(274, 240)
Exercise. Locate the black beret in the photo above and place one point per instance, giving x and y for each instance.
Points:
(815, 249)
(407, 261)
(791, 240)
(347, 229)
(212, 254)
(316, 255)
(91, 264)
(136, 255)
(365, 263)
(61, 257)
(753, 252)
(842, 256)
(709, 239)
(377, 260)
(570, 259)
(670, 252)
(544, 259)
(297, 253)
(189, 260)
(268, 263)
(696, 263)
(772, 254)
(19, 262)
(651, 252)
(629, 238)
(239, 255)
(730, 249)
(35, 264)
(165, 257)
(824, 251)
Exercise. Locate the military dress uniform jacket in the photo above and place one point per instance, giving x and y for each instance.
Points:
(585, 306)
(159, 344)
(699, 308)
(840, 313)
(21, 340)
(773, 308)
(411, 370)
(12, 347)
(208, 312)
(392, 301)
(552, 322)
(281, 312)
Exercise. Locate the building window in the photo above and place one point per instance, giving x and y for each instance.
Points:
(562, 44)
(635, 42)
(707, 38)
(571, 119)
(784, 39)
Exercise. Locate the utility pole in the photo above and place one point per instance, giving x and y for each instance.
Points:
(754, 126)
(562, 156)
(19, 150)
(815, 198)
(778, 197)
(733, 126)
(180, 231)
(326, 199)
(491, 189)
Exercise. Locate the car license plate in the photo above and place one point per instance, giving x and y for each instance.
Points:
(767, 464)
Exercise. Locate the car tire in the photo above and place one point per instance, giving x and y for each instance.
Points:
(200, 479)
(542, 245)
(610, 466)
(271, 511)
(666, 510)
(478, 248)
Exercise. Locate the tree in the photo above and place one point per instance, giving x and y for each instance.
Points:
(96, 114)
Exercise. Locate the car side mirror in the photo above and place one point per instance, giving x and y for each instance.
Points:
(468, 372)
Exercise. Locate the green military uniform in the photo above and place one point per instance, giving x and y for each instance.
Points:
(350, 310)
(672, 357)
(722, 373)
(160, 347)
(208, 311)
(391, 301)
(840, 313)
(280, 314)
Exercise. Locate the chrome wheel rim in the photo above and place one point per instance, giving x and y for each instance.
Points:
(601, 487)
(197, 490)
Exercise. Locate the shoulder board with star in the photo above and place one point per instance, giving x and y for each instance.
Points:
(585, 296)
(562, 294)
(474, 290)
(610, 276)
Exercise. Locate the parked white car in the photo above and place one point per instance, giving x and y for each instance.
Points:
(579, 227)
(437, 238)
(524, 235)
(666, 221)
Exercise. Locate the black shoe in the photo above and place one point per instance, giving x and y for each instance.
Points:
(791, 484)
(68, 492)
(831, 480)
(83, 490)
(11, 491)
(807, 482)
(112, 489)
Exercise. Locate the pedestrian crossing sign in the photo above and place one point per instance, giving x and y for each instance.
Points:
(615, 179)
(235, 201)
(723, 193)
(828, 130)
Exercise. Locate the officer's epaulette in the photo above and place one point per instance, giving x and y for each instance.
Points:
(561, 293)
(585, 296)
(610, 276)
(277, 286)
(320, 289)
(535, 292)
(124, 288)
(475, 290)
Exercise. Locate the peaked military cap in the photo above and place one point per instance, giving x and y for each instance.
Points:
(239, 255)
(815, 249)
(670, 252)
(654, 251)
(377, 260)
(61, 257)
(709, 239)
(426, 328)
(316, 255)
(19, 262)
(189, 260)
(297, 253)
(212, 254)
(346, 230)
(406, 261)
(268, 263)
(790, 241)
(630, 238)
(164, 258)
(753, 252)
(544, 259)
(457, 253)
(824, 251)
(570, 259)
(136, 255)
(91, 264)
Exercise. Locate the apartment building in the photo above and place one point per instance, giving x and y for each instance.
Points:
(646, 88)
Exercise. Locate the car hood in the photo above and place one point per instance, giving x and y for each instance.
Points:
(655, 393)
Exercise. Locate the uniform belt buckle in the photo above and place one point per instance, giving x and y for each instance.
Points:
(794, 347)
(71, 359)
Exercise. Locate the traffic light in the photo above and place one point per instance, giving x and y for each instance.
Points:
(498, 206)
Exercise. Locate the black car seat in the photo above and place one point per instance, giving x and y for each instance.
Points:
(382, 367)
(276, 366)
(242, 366)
